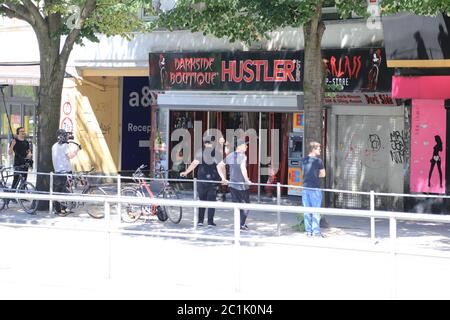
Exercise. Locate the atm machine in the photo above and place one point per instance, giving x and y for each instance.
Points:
(295, 154)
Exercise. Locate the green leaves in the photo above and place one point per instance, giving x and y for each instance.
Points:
(248, 20)
(110, 17)
(419, 7)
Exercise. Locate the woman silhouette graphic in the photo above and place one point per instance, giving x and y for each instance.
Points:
(436, 159)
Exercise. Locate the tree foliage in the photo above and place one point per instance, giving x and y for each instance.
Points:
(248, 20)
(109, 17)
(419, 7)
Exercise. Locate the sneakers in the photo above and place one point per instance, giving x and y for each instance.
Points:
(200, 224)
(211, 224)
(244, 227)
(308, 234)
(319, 235)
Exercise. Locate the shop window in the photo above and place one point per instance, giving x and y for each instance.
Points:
(24, 92)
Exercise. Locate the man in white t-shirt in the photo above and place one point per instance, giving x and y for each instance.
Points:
(61, 155)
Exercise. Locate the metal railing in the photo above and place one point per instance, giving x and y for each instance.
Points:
(237, 238)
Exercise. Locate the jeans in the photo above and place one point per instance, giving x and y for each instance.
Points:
(241, 196)
(312, 198)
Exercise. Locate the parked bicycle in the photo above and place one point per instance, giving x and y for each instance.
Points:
(132, 212)
(78, 183)
(28, 205)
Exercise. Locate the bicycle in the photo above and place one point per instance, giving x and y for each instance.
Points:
(132, 212)
(29, 206)
(78, 183)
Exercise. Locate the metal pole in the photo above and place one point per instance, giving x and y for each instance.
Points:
(196, 208)
(393, 232)
(108, 238)
(237, 248)
(259, 158)
(278, 212)
(119, 193)
(50, 207)
(393, 237)
(372, 219)
(7, 114)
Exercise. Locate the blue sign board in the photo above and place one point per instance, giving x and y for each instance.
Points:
(136, 122)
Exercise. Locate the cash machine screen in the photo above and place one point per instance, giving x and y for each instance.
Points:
(296, 148)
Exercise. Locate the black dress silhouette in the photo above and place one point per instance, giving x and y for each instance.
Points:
(436, 159)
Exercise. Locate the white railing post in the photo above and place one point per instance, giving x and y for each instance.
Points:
(237, 247)
(108, 239)
(119, 193)
(195, 208)
(392, 239)
(278, 211)
(50, 206)
(372, 218)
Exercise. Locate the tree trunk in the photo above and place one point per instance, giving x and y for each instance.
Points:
(313, 79)
(48, 110)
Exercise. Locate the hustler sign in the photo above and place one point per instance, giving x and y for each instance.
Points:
(227, 71)
(347, 70)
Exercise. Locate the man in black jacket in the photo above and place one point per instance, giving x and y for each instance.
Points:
(207, 161)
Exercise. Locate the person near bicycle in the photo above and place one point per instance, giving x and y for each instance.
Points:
(22, 156)
(206, 159)
(61, 155)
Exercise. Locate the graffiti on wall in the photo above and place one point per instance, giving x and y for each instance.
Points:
(397, 146)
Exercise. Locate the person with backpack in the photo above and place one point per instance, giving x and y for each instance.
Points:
(206, 160)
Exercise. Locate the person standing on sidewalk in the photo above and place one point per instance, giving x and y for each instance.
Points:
(61, 155)
(207, 162)
(313, 170)
(22, 153)
(239, 181)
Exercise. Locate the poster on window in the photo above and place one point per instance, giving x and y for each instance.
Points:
(428, 131)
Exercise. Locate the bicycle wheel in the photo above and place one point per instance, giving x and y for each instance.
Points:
(95, 209)
(130, 212)
(174, 213)
(2, 204)
(28, 205)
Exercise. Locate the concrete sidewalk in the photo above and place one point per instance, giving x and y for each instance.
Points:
(422, 235)
(74, 264)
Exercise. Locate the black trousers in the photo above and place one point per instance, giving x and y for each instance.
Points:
(60, 186)
(16, 179)
(206, 192)
(241, 196)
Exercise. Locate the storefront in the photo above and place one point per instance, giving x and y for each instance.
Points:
(262, 91)
(365, 129)
(419, 50)
(251, 94)
(429, 113)
(18, 101)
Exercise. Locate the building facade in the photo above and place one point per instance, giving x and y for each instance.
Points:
(122, 121)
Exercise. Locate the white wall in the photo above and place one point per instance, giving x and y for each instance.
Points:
(21, 44)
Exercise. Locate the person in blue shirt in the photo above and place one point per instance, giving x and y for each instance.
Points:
(313, 170)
